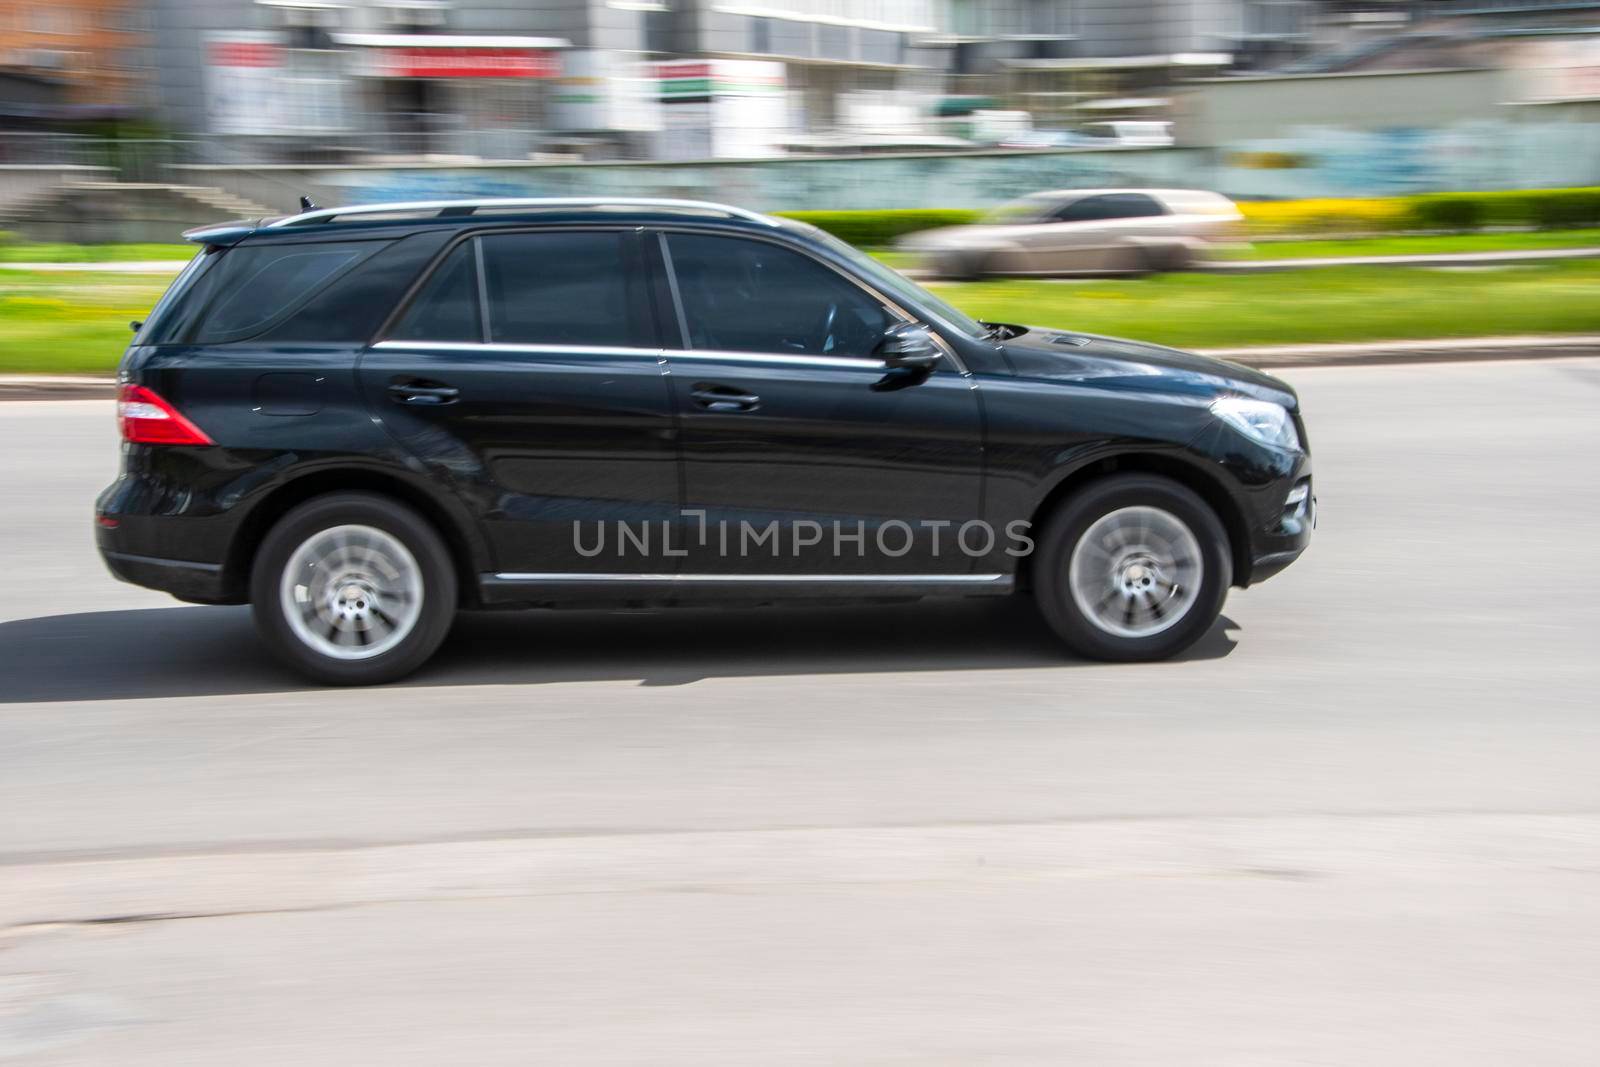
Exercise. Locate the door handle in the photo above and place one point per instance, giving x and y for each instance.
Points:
(723, 398)
(423, 394)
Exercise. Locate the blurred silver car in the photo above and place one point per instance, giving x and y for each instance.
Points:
(1083, 231)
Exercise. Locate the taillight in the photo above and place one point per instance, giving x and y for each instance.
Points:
(146, 419)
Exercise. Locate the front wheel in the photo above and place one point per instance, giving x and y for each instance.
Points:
(1133, 567)
(353, 589)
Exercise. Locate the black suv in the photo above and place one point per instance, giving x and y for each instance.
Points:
(361, 419)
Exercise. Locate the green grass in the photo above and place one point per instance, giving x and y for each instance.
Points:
(31, 252)
(1326, 305)
(1417, 246)
(77, 322)
(73, 323)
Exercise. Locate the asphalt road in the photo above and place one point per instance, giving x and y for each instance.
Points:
(1359, 823)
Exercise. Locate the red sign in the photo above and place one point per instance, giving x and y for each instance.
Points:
(683, 70)
(243, 54)
(466, 63)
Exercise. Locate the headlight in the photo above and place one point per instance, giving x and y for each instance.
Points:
(1259, 420)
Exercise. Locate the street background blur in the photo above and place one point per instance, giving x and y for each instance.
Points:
(1357, 823)
(1349, 133)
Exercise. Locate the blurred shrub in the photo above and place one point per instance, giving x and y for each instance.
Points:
(1269, 160)
(1548, 209)
(1322, 216)
(1447, 211)
(881, 227)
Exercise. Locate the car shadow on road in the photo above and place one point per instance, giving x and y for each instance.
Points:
(201, 651)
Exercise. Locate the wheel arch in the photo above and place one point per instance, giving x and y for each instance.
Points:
(468, 552)
(1207, 486)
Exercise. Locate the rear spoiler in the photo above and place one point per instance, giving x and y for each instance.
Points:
(224, 234)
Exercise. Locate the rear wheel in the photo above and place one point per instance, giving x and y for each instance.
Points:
(353, 589)
(1133, 567)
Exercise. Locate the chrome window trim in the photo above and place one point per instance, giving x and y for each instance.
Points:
(622, 350)
(578, 576)
(794, 358)
(525, 349)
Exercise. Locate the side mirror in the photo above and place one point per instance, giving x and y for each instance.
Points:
(909, 346)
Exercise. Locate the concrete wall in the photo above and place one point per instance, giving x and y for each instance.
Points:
(912, 180)
(1381, 134)
(1230, 111)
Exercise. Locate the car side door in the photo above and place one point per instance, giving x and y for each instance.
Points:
(792, 422)
(526, 374)
(1079, 237)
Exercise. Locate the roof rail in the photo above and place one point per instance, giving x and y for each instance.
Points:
(444, 208)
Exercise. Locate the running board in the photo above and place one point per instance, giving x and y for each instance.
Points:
(607, 587)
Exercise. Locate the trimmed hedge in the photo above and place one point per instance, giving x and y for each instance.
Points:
(1545, 209)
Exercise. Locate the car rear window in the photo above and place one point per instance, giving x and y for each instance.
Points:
(253, 288)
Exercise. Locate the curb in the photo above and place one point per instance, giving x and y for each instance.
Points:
(1440, 259)
(56, 387)
(1451, 350)
(1443, 350)
(1510, 257)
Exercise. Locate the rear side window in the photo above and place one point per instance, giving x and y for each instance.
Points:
(446, 309)
(269, 282)
(1110, 206)
(352, 307)
(562, 288)
(251, 289)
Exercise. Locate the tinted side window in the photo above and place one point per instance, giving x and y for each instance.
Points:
(1089, 209)
(355, 304)
(562, 288)
(753, 296)
(258, 287)
(1110, 206)
(446, 309)
(1134, 206)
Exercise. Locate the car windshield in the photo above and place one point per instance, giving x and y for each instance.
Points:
(896, 284)
(1028, 209)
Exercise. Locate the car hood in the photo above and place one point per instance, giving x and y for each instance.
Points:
(1070, 355)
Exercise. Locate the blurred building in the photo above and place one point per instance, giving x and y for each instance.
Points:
(248, 80)
(70, 61)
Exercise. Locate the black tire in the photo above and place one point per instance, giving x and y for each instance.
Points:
(1065, 528)
(434, 573)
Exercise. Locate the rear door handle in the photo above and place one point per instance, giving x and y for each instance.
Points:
(723, 398)
(423, 394)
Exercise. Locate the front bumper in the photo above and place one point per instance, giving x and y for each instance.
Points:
(1282, 544)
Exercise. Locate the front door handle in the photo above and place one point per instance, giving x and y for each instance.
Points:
(422, 393)
(723, 398)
